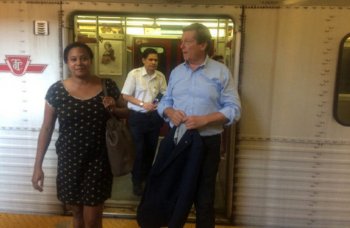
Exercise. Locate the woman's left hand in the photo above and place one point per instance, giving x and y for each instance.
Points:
(108, 102)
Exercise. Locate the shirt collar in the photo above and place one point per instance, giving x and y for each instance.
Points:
(144, 72)
(201, 65)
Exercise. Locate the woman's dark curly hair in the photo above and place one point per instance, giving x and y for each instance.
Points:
(77, 45)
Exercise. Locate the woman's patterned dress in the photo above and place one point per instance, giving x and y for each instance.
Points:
(83, 173)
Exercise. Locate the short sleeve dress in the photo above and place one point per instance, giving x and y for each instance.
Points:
(83, 172)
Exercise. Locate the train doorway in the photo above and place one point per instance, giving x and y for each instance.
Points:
(129, 36)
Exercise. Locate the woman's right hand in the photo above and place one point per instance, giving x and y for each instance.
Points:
(38, 179)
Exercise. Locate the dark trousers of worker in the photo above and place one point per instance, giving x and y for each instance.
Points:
(144, 128)
(204, 200)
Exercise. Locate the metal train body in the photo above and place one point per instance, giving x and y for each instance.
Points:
(288, 159)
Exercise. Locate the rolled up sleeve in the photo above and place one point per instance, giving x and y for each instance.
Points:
(165, 102)
(230, 101)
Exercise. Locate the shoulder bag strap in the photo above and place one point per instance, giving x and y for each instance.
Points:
(104, 87)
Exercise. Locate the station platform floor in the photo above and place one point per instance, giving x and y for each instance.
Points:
(56, 221)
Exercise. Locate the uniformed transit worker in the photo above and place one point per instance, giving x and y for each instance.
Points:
(142, 89)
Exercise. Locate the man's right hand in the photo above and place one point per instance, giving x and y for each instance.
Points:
(176, 116)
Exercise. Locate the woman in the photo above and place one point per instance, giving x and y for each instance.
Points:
(84, 179)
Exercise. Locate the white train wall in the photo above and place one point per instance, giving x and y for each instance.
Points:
(22, 100)
(292, 161)
(292, 158)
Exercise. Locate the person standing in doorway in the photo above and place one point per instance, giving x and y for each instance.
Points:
(201, 95)
(143, 88)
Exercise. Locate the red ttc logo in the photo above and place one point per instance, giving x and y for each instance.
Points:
(18, 65)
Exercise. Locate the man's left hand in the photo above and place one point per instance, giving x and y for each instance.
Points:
(195, 122)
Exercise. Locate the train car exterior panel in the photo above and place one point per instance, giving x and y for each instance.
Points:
(292, 160)
(22, 99)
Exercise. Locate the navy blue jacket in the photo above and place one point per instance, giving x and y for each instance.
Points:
(172, 183)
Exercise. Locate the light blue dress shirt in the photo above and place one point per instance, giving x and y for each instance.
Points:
(210, 88)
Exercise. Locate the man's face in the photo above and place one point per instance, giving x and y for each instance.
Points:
(191, 50)
(151, 62)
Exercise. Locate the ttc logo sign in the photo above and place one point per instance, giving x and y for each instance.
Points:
(18, 65)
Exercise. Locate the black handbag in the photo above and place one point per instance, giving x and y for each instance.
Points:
(120, 146)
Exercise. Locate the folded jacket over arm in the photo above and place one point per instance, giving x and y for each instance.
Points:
(171, 185)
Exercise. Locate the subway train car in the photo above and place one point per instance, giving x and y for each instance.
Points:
(286, 163)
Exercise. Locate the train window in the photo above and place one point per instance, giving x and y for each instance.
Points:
(118, 42)
(114, 40)
(341, 109)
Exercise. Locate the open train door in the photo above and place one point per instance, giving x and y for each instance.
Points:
(169, 53)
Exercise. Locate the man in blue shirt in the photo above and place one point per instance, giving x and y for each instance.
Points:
(201, 95)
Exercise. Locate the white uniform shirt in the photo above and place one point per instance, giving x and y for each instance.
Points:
(143, 86)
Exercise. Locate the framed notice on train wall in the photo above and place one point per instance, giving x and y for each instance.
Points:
(110, 57)
(107, 31)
